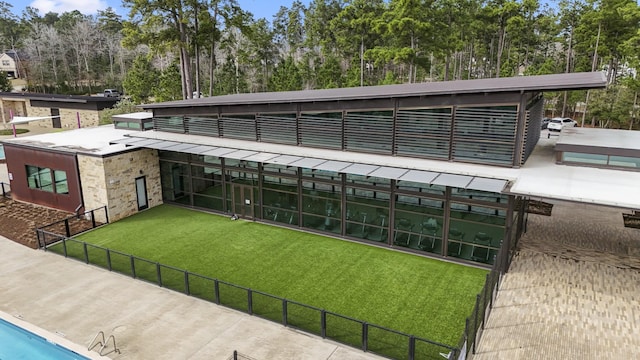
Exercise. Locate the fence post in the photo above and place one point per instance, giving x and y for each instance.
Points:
(412, 347)
(284, 312)
(235, 354)
(250, 301)
(109, 260)
(133, 266)
(86, 253)
(186, 283)
(3, 193)
(488, 291)
(158, 274)
(64, 246)
(93, 220)
(66, 227)
(323, 323)
(216, 291)
(106, 214)
(365, 336)
(37, 237)
(475, 323)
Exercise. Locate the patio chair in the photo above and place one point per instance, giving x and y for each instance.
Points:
(456, 234)
(428, 235)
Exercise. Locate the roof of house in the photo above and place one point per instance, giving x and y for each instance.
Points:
(555, 82)
(94, 141)
(58, 97)
(604, 141)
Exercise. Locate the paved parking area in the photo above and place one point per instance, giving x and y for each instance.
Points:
(77, 300)
(572, 292)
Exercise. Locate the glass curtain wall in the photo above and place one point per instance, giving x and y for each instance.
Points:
(322, 200)
(452, 222)
(477, 224)
(419, 216)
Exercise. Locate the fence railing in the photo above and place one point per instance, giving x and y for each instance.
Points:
(474, 324)
(72, 225)
(340, 328)
(6, 189)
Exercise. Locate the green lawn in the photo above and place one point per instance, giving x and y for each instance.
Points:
(408, 293)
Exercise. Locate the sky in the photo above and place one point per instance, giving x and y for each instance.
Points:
(259, 8)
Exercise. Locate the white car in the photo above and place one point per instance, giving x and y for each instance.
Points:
(558, 123)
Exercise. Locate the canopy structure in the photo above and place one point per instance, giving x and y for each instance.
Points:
(27, 119)
(316, 163)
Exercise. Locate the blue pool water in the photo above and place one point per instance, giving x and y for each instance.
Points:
(17, 343)
(1, 152)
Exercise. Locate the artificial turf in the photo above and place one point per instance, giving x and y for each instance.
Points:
(412, 294)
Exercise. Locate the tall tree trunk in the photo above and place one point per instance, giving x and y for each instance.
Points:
(633, 114)
(362, 60)
(567, 70)
(593, 68)
(501, 39)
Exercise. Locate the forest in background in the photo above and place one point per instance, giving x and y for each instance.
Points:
(176, 49)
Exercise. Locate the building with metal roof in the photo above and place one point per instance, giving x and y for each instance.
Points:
(442, 169)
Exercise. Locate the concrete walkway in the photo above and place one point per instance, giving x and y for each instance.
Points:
(68, 297)
(572, 292)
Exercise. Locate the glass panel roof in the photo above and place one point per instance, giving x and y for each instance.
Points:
(486, 184)
(388, 172)
(360, 169)
(332, 165)
(419, 176)
(240, 154)
(460, 181)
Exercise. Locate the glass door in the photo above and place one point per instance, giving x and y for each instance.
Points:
(141, 193)
(243, 201)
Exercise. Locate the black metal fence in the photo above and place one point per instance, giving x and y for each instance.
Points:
(6, 189)
(72, 225)
(475, 323)
(349, 331)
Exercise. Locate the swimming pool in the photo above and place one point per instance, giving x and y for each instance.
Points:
(17, 343)
(1, 152)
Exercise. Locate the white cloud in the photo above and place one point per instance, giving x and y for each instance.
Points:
(60, 6)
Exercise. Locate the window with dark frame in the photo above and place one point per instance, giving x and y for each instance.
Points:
(46, 179)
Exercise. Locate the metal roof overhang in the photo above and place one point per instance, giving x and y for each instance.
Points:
(387, 172)
(554, 82)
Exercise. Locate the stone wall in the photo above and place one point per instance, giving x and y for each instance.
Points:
(93, 183)
(68, 117)
(111, 181)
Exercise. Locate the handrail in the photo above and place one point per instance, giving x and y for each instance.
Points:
(92, 345)
(115, 348)
(104, 343)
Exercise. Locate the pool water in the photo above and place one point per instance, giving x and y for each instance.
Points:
(17, 343)
(1, 152)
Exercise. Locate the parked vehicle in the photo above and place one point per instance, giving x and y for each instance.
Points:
(557, 123)
(545, 123)
(111, 93)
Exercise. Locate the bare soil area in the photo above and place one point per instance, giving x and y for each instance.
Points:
(18, 220)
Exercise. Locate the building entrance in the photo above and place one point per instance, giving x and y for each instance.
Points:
(242, 204)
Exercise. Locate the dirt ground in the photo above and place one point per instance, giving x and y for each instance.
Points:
(18, 220)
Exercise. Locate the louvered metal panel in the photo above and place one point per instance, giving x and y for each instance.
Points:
(238, 127)
(423, 132)
(321, 130)
(202, 126)
(279, 129)
(532, 128)
(485, 134)
(370, 131)
(169, 124)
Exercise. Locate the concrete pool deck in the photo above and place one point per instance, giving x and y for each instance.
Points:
(76, 301)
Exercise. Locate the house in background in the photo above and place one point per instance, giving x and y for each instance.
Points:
(9, 63)
(53, 111)
(80, 170)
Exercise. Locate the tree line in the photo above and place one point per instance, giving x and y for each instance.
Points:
(177, 49)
